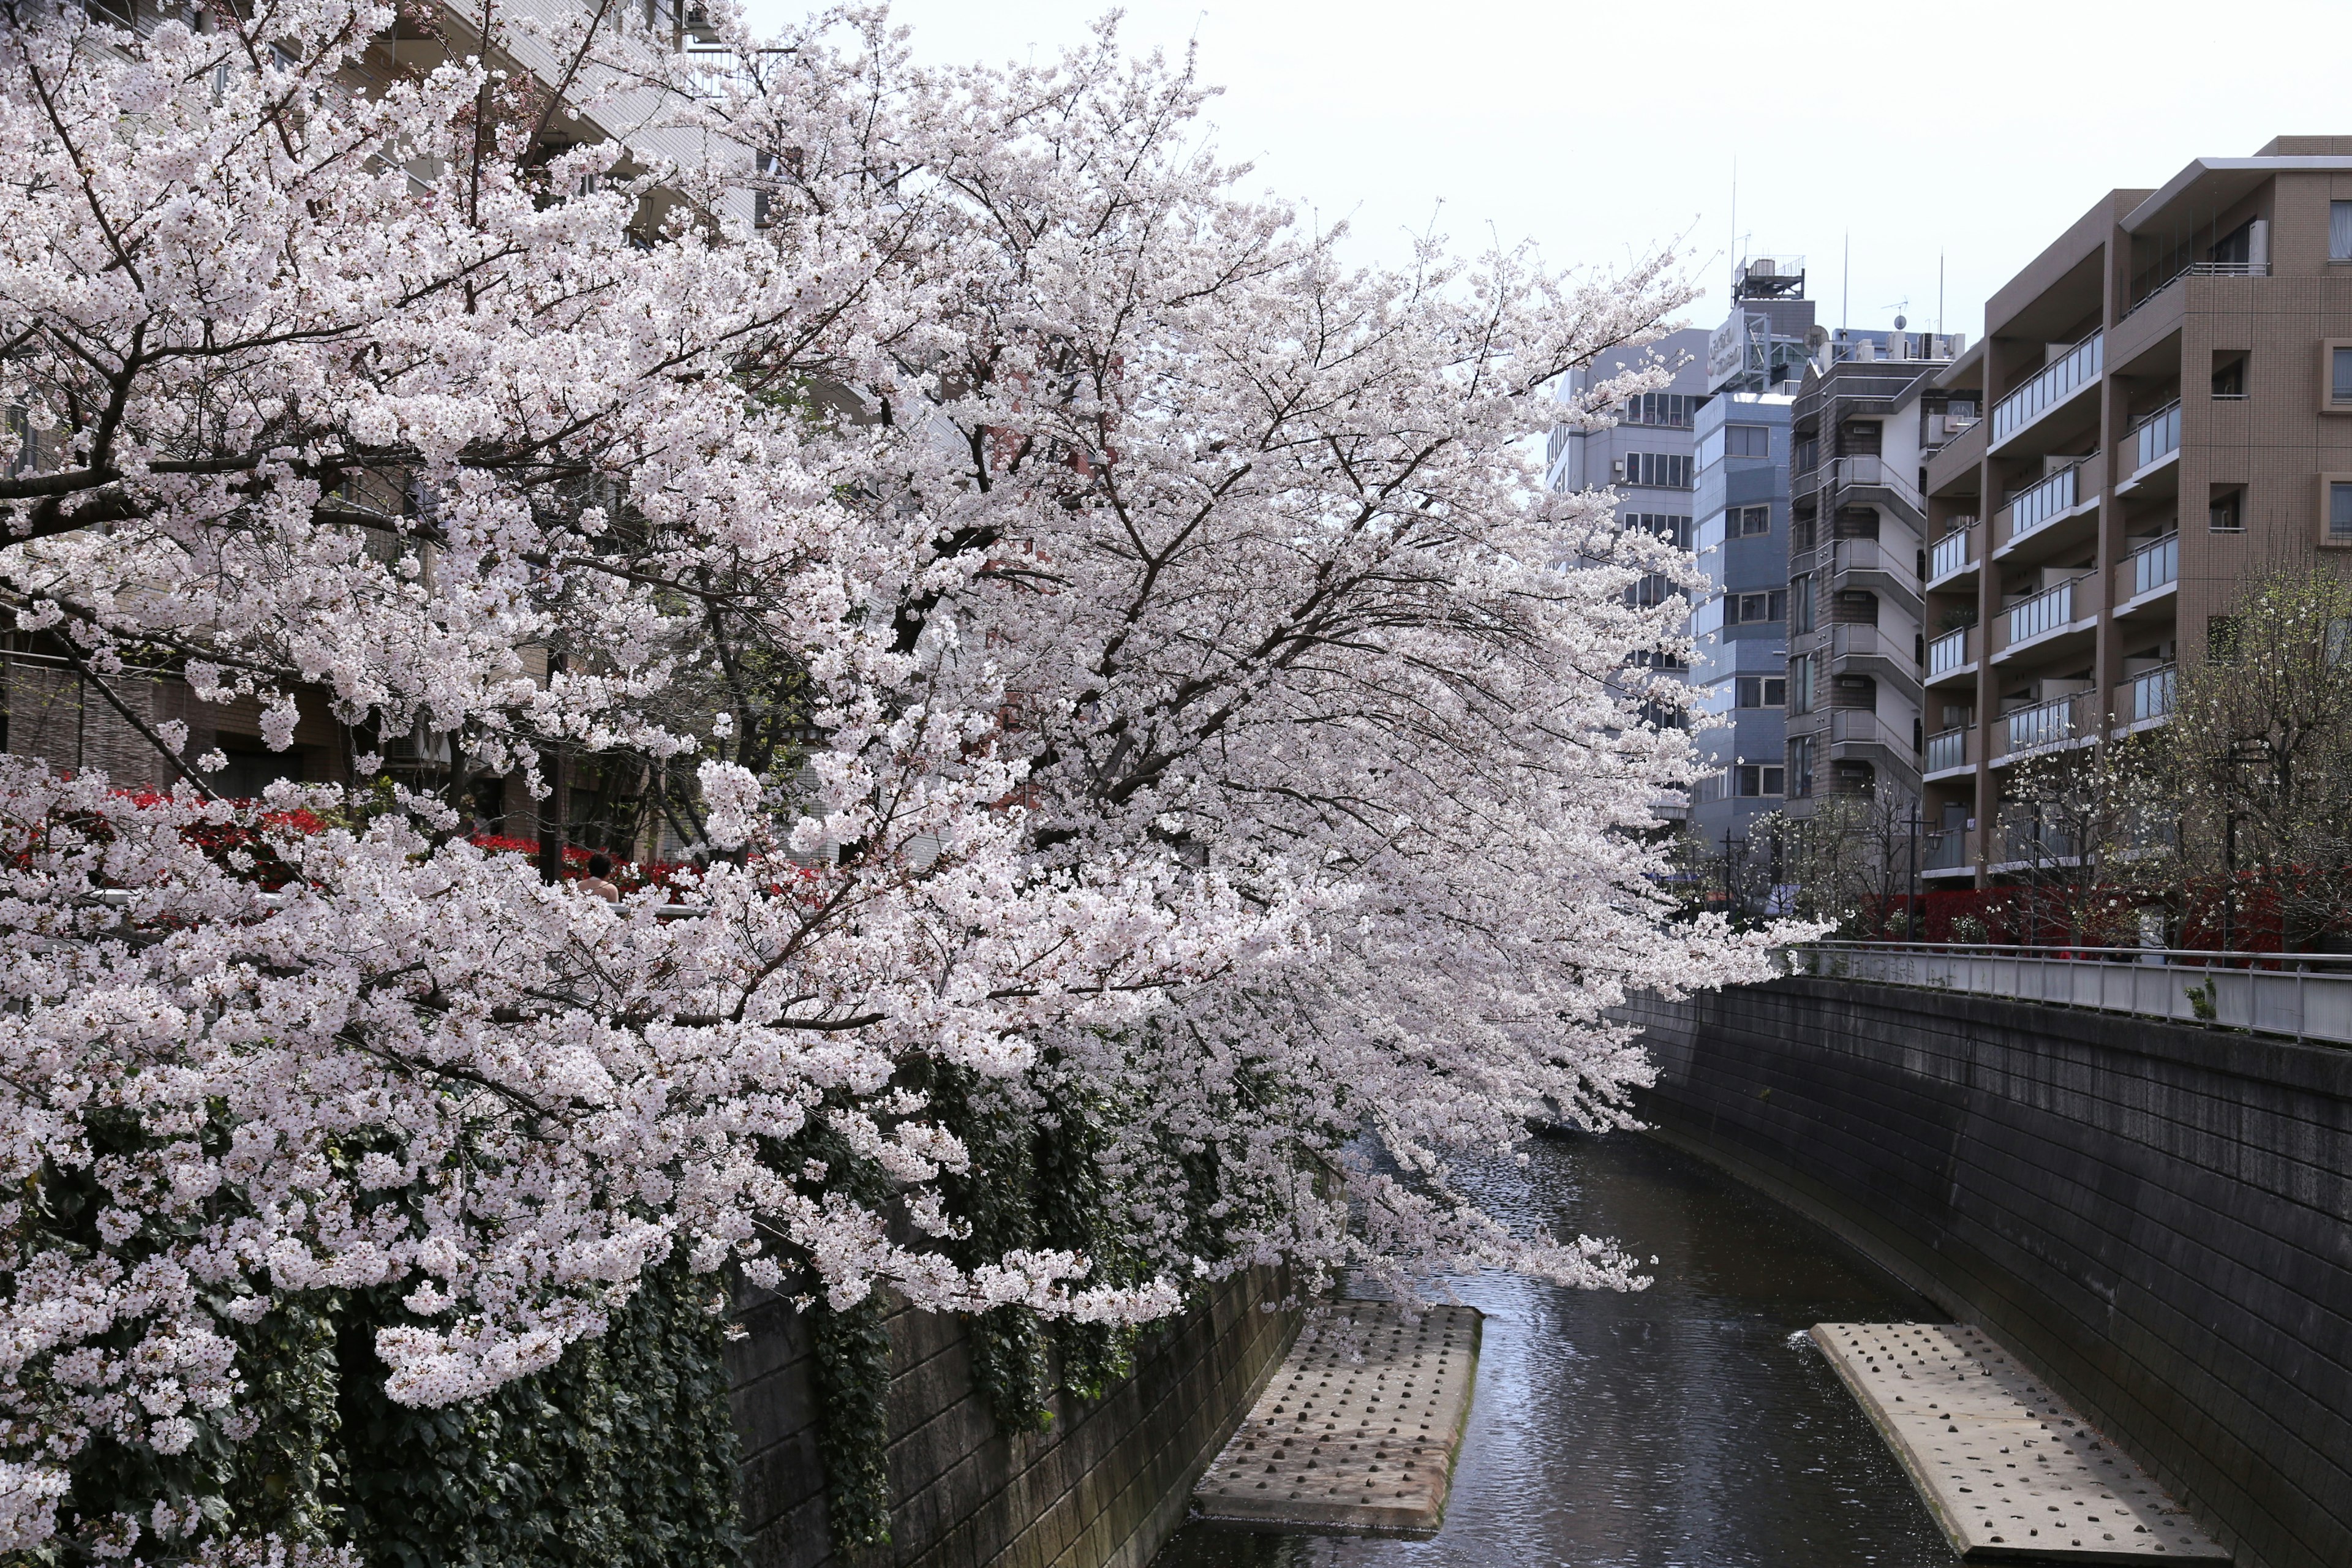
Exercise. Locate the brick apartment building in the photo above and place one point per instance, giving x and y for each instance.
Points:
(2169, 395)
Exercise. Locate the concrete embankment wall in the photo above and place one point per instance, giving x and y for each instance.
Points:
(1103, 1487)
(2157, 1218)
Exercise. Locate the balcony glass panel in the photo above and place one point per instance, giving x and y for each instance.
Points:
(1948, 750)
(1951, 553)
(2158, 435)
(1948, 652)
(2038, 503)
(2146, 695)
(2043, 725)
(2046, 611)
(1947, 851)
(2156, 565)
(2050, 386)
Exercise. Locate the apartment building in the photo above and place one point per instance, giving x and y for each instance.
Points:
(1739, 653)
(1648, 456)
(1869, 414)
(2170, 410)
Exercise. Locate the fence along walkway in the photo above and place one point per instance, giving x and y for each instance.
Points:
(2307, 995)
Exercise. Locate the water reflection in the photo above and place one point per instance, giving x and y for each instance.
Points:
(1675, 1428)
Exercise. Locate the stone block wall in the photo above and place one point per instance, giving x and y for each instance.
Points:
(1103, 1487)
(2158, 1217)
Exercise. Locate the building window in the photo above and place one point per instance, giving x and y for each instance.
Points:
(2339, 513)
(2226, 512)
(1754, 779)
(2339, 231)
(1800, 596)
(1657, 470)
(2230, 376)
(1673, 529)
(1672, 409)
(1763, 691)
(1800, 683)
(1748, 520)
(1748, 440)
(1743, 608)
(2339, 375)
(1800, 778)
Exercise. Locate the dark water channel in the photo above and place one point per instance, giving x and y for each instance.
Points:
(1678, 1427)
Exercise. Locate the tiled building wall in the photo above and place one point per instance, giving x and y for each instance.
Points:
(1103, 1487)
(2157, 1219)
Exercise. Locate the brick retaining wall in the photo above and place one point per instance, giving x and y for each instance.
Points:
(2158, 1217)
(1103, 1487)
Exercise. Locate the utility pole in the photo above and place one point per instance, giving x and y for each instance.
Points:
(1912, 925)
(555, 813)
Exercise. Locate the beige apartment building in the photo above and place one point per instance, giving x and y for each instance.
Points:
(2168, 408)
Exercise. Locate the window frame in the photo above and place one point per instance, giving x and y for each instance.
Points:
(2328, 349)
(2328, 538)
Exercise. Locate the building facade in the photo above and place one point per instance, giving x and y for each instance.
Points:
(2169, 410)
(1739, 652)
(1863, 424)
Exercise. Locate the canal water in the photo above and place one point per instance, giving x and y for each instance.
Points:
(1687, 1425)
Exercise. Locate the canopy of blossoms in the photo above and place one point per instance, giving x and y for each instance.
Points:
(1197, 729)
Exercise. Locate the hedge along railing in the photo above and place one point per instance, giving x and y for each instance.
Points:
(2307, 995)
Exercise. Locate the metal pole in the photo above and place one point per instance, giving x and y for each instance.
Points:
(1912, 925)
(2229, 878)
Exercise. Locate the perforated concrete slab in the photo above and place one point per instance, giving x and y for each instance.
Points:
(1358, 1431)
(2008, 1470)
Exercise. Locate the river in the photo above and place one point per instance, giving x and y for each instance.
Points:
(1687, 1425)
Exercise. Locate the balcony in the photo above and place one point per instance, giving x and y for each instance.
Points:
(2051, 723)
(2146, 697)
(2045, 611)
(2052, 385)
(1953, 553)
(2148, 570)
(1854, 731)
(1871, 473)
(1948, 751)
(1948, 850)
(2156, 437)
(2042, 503)
(1954, 653)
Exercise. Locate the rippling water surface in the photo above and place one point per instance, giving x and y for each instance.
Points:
(1678, 1427)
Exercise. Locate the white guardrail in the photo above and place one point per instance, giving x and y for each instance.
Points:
(2307, 995)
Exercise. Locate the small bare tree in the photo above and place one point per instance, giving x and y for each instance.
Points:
(2260, 747)
(2094, 822)
(1853, 859)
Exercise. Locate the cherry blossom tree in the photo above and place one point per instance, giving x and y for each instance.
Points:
(1203, 726)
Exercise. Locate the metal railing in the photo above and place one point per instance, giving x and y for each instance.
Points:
(2043, 725)
(1952, 551)
(2198, 269)
(2046, 611)
(2043, 500)
(2151, 566)
(1865, 471)
(2050, 386)
(1947, 748)
(1948, 652)
(2146, 695)
(2306, 995)
(2158, 435)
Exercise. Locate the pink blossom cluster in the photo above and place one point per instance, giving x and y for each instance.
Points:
(1216, 725)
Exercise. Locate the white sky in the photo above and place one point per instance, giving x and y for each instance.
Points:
(1975, 131)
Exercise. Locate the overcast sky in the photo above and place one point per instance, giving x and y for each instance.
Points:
(1971, 132)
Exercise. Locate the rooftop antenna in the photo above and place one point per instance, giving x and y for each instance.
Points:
(1735, 223)
(1845, 284)
(1939, 294)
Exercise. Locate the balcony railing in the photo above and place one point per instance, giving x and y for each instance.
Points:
(1873, 472)
(1863, 727)
(2146, 695)
(1948, 652)
(1947, 750)
(2043, 725)
(1952, 551)
(2050, 386)
(2157, 436)
(2311, 1000)
(2151, 567)
(2198, 270)
(2043, 500)
(2045, 611)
